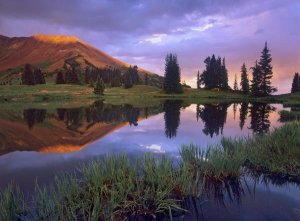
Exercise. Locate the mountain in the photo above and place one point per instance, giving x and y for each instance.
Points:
(51, 52)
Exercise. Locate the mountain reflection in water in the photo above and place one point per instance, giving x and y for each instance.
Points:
(72, 129)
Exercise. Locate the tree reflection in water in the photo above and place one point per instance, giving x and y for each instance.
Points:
(213, 117)
(33, 116)
(243, 114)
(172, 117)
(259, 113)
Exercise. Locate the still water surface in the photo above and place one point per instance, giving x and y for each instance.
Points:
(39, 143)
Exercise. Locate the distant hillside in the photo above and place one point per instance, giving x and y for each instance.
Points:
(51, 52)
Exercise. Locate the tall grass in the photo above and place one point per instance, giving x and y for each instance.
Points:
(119, 188)
(274, 154)
(12, 204)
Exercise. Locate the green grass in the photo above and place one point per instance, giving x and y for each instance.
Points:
(286, 116)
(275, 154)
(117, 187)
(137, 94)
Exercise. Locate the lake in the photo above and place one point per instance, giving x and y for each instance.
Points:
(38, 143)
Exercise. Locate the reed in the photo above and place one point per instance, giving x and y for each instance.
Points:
(117, 187)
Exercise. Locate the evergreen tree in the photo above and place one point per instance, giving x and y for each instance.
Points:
(87, 75)
(27, 75)
(146, 79)
(224, 76)
(266, 70)
(73, 76)
(198, 80)
(172, 75)
(135, 75)
(60, 78)
(99, 87)
(128, 78)
(256, 80)
(235, 85)
(244, 80)
(215, 74)
(296, 83)
(68, 75)
(39, 77)
(80, 75)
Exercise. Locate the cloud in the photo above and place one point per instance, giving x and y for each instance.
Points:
(142, 32)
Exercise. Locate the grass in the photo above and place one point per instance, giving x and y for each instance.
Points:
(117, 187)
(286, 116)
(135, 95)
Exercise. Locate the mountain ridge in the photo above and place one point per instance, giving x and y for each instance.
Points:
(17, 51)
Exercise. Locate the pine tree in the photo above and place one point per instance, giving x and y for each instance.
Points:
(198, 80)
(128, 78)
(244, 80)
(296, 83)
(60, 78)
(146, 79)
(256, 80)
(135, 75)
(215, 74)
(235, 85)
(224, 75)
(99, 87)
(28, 75)
(87, 75)
(73, 76)
(172, 75)
(39, 77)
(266, 70)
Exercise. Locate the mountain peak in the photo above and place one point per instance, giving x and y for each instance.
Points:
(57, 39)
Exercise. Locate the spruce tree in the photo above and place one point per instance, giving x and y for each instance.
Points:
(128, 78)
(87, 75)
(224, 75)
(235, 85)
(296, 83)
(60, 78)
(215, 74)
(244, 80)
(39, 77)
(172, 75)
(198, 80)
(256, 81)
(266, 70)
(99, 87)
(146, 79)
(28, 75)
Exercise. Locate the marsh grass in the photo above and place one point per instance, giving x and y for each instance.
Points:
(275, 154)
(286, 116)
(12, 204)
(120, 188)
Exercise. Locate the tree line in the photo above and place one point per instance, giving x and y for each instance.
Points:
(215, 75)
(32, 76)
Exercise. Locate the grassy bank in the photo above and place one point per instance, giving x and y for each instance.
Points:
(135, 95)
(50, 92)
(117, 187)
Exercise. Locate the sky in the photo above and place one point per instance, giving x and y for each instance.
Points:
(142, 32)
